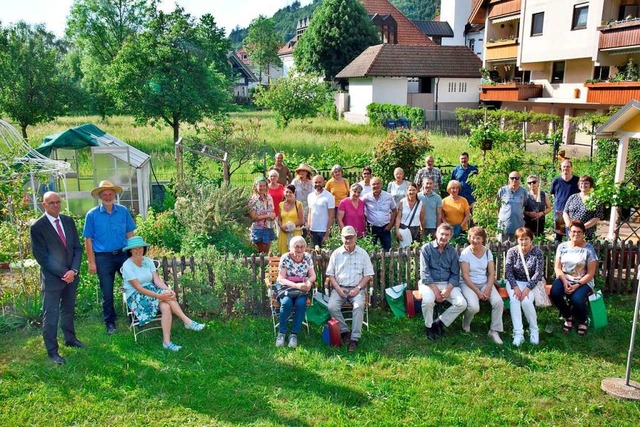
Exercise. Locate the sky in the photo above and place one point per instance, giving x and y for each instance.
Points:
(228, 13)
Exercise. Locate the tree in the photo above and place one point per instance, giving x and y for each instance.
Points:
(294, 97)
(97, 30)
(169, 72)
(31, 90)
(338, 32)
(262, 45)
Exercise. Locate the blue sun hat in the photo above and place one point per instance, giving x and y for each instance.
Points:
(135, 242)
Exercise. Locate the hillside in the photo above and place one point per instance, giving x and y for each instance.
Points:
(287, 18)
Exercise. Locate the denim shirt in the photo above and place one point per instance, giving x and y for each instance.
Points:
(439, 267)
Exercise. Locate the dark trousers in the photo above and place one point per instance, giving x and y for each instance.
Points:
(59, 304)
(379, 233)
(108, 264)
(576, 307)
(317, 237)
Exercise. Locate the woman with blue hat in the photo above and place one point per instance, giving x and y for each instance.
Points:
(147, 293)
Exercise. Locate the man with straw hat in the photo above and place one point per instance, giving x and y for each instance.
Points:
(106, 230)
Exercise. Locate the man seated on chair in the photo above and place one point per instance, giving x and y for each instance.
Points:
(440, 281)
(348, 271)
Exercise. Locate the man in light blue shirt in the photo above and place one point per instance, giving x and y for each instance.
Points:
(432, 207)
(106, 230)
(512, 198)
(440, 281)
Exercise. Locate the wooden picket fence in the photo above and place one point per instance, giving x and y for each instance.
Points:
(618, 266)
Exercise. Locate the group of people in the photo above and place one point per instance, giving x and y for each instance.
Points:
(111, 248)
(464, 280)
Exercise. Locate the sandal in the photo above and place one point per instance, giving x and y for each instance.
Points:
(171, 346)
(582, 329)
(194, 326)
(567, 326)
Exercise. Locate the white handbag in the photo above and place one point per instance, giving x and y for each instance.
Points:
(540, 297)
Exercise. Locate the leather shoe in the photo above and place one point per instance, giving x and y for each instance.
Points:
(431, 335)
(352, 346)
(57, 359)
(111, 328)
(438, 327)
(76, 343)
(345, 337)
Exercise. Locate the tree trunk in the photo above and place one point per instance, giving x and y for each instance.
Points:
(176, 131)
(23, 128)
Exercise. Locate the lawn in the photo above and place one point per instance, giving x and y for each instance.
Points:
(231, 374)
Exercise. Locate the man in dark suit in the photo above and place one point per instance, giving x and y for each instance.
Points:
(56, 247)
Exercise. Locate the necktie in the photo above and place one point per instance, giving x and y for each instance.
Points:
(60, 233)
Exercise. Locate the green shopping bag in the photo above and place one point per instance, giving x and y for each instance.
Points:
(597, 311)
(395, 298)
(318, 312)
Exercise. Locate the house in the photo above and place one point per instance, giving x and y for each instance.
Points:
(435, 30)
(559, 57)
(245, 79)
(393, 28)
(435, 78)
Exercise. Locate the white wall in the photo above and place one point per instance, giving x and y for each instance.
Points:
(458, 90)
(360, 95)
(391, 90)
(478, 43)
(558, 42)
(456, 13)
(287, 64)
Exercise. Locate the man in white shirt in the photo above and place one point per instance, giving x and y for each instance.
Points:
(349, 270)
(321, 212)
(380, 211)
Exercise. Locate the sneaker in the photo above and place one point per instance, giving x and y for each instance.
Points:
(194, 326)
(171, 346)
(534, 337)
(466, 328)
(352, 346)
(518, 340)
(280, 340)
(293, 341)
(431, 335)
(494, 336)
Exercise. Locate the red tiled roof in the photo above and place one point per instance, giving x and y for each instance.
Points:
(395, 60)
(408, 33)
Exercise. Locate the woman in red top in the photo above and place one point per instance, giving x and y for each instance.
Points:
(276, 190)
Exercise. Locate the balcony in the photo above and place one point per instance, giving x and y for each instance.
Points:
(501, 50)
(510, 92)
(612, 93)
(619, 35)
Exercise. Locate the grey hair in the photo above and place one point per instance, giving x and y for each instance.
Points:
(295, 240)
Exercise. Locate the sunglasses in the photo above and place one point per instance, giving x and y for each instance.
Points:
(532, 182)
(514, 178)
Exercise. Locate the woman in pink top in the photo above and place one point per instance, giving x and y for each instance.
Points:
(351, 211)
(276, 190)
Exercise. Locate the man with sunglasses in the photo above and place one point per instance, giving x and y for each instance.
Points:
(512, 198)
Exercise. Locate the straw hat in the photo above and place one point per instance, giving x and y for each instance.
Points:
(305, 167)
(135, 242)
(106, 185)
(348, 231)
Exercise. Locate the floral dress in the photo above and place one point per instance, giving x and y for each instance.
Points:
(577, 211)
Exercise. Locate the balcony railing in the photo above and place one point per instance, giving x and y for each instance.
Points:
(620, 34)
(612, 93)
(510, 92)
(501, 49)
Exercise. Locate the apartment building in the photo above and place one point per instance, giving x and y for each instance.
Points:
(565, 57)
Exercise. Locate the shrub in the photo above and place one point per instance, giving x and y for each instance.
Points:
(377, 113)
(162, 230)
(403, 149)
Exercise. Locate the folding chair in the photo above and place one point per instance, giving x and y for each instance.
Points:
(347, 307)
(134, 324)
(270, 279)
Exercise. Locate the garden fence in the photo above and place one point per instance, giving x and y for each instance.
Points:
(618, 266)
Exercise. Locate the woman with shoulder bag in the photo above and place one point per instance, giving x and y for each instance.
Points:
(410, 217)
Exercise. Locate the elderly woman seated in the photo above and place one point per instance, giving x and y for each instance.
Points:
(295, 278)
(146, 292)
(575, 268)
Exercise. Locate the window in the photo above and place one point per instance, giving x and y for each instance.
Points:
(537, 22)
(628, 11)
(462, 87)
(452, 87)
(472, 44)
(557, 74)
(580, 13)
(601, 73)
(426, 85)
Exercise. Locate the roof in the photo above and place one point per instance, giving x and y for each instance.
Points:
(434, 28)
(89, 135)
(478, 12)
(408, 32)
(241, 66)
(394, 60)
(624, 121)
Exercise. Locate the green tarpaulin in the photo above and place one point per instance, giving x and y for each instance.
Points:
(78, 137)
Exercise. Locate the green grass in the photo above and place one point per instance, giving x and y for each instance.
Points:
(231, 374)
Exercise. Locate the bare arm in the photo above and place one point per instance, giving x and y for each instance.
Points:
(91, 256)
(340, 218)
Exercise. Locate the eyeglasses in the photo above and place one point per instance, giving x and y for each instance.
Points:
(514, 178)
(576, 232)
(532, 182)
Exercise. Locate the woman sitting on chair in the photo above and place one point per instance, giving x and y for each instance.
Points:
(146, 292)
(295, 278)
(576, 263)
